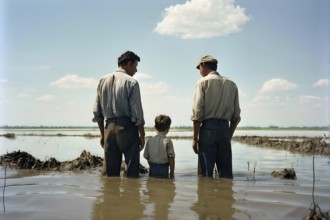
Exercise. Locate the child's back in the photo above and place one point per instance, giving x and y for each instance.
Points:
(159, 150)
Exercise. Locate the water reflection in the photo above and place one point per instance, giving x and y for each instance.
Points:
(120, 199)
(159, 197)
(215, 199)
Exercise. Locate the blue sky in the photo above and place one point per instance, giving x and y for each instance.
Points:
(54, 52)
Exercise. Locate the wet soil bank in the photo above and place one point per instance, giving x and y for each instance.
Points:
(24, 160)
(86, 161)
(305, 145)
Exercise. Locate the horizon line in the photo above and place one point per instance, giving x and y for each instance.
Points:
(178, 126)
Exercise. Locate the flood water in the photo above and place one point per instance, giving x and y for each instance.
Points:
(252, 194)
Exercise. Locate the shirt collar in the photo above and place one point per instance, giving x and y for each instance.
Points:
(215, 73)
(161, 133)
(119, 69)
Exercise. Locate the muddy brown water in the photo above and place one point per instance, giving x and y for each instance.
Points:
(86, 194)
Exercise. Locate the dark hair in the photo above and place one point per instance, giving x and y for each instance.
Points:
(126, 57)
(162, 122)
(211, 65)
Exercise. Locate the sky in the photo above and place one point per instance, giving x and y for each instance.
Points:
(54, 52)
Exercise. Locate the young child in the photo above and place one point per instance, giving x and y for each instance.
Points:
(159, 150)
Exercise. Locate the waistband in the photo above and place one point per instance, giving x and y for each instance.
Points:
(159, 165)
(215, 119)
(119, 120)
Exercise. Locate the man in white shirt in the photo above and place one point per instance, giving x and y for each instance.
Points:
(216, 113)
(118, 104)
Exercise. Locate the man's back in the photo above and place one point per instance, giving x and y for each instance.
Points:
(119, 115)
(216, 113)
(220, 97)
(120, 96)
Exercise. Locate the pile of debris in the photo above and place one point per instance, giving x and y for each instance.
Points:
(9, 135)
(86, 161)
(284, 174)
(315, 213)
(306, 145)
(23, 160)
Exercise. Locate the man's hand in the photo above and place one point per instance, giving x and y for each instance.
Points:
(102, 141)
(197, 126)
(101, 128)
(195, 146)
(142, 136)
(142, 141)
(232, 127)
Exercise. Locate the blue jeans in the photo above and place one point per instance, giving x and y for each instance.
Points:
(158, 170)
(121, 136)
(215, 148)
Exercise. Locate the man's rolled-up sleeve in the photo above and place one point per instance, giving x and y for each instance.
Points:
(198, 104)
(237, 110)
(97, 110)
(136, 105)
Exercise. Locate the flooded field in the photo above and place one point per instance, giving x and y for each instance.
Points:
(252, 194)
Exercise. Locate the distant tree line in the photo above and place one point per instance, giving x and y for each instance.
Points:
(181, 128)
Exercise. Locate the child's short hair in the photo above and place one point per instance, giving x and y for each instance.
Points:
(162, 122)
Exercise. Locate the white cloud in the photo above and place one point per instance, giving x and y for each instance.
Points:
(23, 95)
(72, 103)
(277, 85)
(241, 93)
(322, 82)
(197, 19)
(266, 96)
(46, 98)
(157, 98)
(26, 92)
(313, 101)
(141, 76)
(154, 88)
(178, 108)
(262, 99)
(44, 67)
(73, 81)
(3, 81)
(150, 88)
